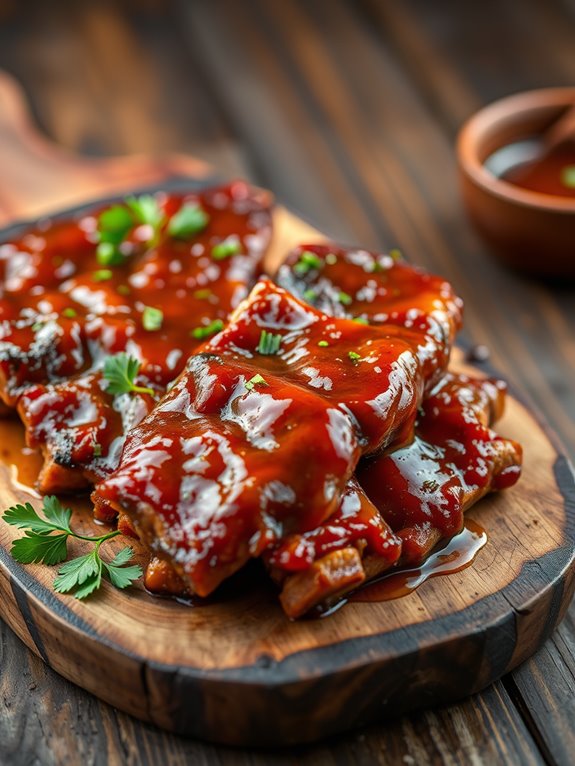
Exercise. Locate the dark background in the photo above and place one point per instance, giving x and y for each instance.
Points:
(348, 111)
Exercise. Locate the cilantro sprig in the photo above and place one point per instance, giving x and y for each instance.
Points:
(45, 541)
(120, 372)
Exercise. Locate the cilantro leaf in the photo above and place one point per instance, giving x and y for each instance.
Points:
(40, 548)
(25, 517)
(120, 372)
(76, 572)
(91, 584)
(58, 515)
(189, 220)
(122, 576)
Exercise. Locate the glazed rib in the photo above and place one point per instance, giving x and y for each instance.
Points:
(241, 468)
(60, 319)
(420, 492)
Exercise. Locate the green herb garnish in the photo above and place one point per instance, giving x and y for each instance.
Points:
(354, 356)
(396, 254)
(257, 380)
(568, 176)
(146, 210)
(307, 261)
(103, 275)
(69, 313)
(203, 295)
(108, 254)
(189, 220)
(152, 318)
(269, 343)
(310, 295)
(360, 320)
(80, 576)
(206, 332)
(120, 371)
(123, 289)
(344, 298)
(323, 343)
(226, 248)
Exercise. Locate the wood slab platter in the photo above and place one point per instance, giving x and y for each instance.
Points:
(236, 670)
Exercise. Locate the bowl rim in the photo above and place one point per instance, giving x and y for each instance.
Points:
(494, 113)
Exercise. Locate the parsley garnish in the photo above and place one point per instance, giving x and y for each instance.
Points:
(69, 313)
(568, 176)
(257, 380)
(102, 275)
(82, 575)
(120, 371)
(269, 343)
(354, 356)
(206, 332)
(344, 298)
(152, 318)
(226, 248)
(189, 220)
(307, 261)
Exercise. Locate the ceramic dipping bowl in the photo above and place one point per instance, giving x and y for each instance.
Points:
(530, 231)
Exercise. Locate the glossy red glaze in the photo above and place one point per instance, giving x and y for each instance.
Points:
(378, 289)
(50, 364)
(356, 522)
(423, 490)
(218, 472)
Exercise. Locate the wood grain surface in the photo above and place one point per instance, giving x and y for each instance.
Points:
(365, 99)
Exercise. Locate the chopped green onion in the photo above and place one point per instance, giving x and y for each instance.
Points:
(344, 298)
(206, 332)
(108, 254)
(310, 295)
(257, 380)
(69, 313)
(152, 318)
(146, 210)
(203, 295)
(307, 261)
(269, 343)
(103, 275)
(354, 356)
(323, 343)
(97, 450)
(396, 254)
(226, 248)
(123, 290)
(189, 220)
(360, 320)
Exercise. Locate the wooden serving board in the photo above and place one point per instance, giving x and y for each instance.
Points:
(236, 670)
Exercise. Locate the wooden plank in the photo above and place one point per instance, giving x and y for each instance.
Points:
(45, 719)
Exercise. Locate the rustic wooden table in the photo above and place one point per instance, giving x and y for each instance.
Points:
(348, 111)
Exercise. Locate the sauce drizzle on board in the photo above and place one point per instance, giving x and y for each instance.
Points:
(459, 553)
